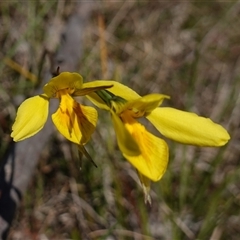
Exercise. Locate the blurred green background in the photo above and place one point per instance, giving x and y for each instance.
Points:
(188, 50)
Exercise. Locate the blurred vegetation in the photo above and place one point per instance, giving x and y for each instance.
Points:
(188, 50)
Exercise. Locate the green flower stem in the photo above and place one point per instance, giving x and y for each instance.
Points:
(109, 97)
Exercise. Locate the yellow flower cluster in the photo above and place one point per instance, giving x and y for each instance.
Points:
(145, 151)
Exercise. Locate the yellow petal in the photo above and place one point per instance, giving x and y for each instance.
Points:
(126, 143)
(145, 104)
(87, 90)
(117, 89)
(188, 128)
(153, 160)
(64, 80)
(74, 121)
(31, 117)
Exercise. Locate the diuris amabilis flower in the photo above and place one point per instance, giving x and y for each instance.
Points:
(146, 152)
(73, 120)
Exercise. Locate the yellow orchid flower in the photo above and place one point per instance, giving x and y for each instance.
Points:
(146, 152)
(73, 120)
